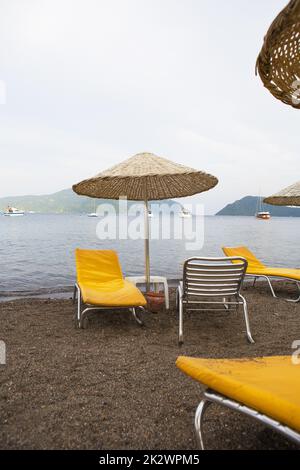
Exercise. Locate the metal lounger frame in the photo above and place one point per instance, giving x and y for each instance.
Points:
(209, 281)
(268, 279)
(83, 309)
(211, 396)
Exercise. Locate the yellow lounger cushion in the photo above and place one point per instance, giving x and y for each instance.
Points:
(270, 385)
(257, 267)
(101, 282)
(277, 272)
(119, 293)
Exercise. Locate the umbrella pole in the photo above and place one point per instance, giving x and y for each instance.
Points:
(147, 259)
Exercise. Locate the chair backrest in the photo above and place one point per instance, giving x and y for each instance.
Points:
(244, 252)
(97, 266)
(213, 277)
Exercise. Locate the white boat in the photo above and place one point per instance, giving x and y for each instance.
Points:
(184, 213)
(93, 214)
(13, 212)
(260, 213)
(263, 215)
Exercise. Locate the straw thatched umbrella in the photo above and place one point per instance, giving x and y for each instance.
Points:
(278, 63)
(146, 177)
(286, 197)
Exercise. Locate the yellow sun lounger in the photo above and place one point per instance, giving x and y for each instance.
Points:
(257, 269)
(101, 286)
(267, 389)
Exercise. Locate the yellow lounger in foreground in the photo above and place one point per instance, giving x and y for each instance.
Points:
(101, 286)
(267, 388)
(257, 269)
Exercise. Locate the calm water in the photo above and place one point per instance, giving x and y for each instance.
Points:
(37, 251)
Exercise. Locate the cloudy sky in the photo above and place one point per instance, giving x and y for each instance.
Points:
(92, 82)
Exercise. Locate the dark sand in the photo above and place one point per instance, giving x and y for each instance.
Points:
(114, 385)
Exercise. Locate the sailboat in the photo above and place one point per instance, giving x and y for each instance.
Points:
(93, 214)
(260, 213)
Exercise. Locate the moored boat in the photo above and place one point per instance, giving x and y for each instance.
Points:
(260, 213)
(263, 215)
(94, 213)
(184, 213)
(13, 212)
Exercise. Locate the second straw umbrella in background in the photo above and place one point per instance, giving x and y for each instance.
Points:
(146, 177)
(289, 196)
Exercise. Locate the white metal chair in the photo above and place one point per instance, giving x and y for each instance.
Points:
(212, 281)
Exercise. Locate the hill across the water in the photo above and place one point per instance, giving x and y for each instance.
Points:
(65, 201)
(248, 206)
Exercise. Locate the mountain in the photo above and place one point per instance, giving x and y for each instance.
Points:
(248, 206)
(65, 201)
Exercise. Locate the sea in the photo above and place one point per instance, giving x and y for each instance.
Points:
(37, 250)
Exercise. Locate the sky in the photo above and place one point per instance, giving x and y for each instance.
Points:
(88, 83)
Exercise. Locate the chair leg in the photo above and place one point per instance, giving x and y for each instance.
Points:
(254, 281)
(226, 306)
(180, 312)
(199, 416)
(249, 336)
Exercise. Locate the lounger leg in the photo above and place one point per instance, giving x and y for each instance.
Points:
(137, 319)
(74, 294)
(268, 281)
(271, 287)
(180, 311)
(79, 309)
(274, 295)
(199, 416)
(249, 336)
(298, 298)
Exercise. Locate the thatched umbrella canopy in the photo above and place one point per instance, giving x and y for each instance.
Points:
(286, 197)
(146, 177)
(278, 63)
